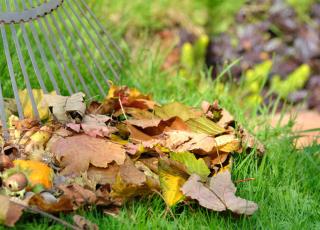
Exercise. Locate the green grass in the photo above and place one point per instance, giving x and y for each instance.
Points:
(286, 185)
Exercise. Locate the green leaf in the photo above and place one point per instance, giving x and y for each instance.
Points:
(193, 165)
(204, 125)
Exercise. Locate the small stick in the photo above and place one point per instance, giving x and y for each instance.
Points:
(125, 116)
(244, 180)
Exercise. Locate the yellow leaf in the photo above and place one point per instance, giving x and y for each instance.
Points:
(40, 103)
(170, 185)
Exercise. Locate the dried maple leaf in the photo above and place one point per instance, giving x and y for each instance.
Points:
(76, 153)
(10, 212)
(219, 195)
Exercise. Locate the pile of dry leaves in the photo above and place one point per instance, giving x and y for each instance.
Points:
(105, 154)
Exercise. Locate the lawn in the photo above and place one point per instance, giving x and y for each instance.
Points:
(286, 183)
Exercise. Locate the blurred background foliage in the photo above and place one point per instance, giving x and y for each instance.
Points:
(269, 48)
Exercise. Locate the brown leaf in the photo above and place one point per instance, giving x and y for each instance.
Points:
(136, 135)
(78, 195)
(66, 108)
(226, 119)
(219, 158)
(181, 141)
(103, 175)
(76, 153)
(130, 174)
(10, 212)
(94, 125)
(63, 204)
(130, 183)
(219, 195)
(144, 123)
(83, 223)
(129, 97)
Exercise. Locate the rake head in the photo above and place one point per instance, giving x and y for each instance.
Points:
(55, 45)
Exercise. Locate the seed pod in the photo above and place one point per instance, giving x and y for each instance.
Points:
(5, 162)
(16, 182)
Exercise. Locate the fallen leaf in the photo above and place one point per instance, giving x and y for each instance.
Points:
(94, 125)
(176, 109)
(83, 223)
(130, 174)
(219, 158)
(130, 182)
(182, 141)
(78, 195)
(41, 105)
(63, 204)
(226, 119)
(76, 153)
(144, 123)
(219, 195)
(129, 97)
(65, 109)
(10, 212)
(171, 181)
(204, 125)
(103, 175)
(193, 165)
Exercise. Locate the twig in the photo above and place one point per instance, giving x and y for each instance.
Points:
(244, 180)
(36, 210)
(124, 114)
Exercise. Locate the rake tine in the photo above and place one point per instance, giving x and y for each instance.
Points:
(34, 63)
(102, 29)
(95, 43)
(105, 44)
(3, 116)
(86, 46)
(57, 48)
(34, 32)
(22, 64)
(33, 60)
(86, 90)
(11, 72)
(81, 53)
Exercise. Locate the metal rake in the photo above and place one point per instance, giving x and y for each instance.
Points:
(55, 45)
